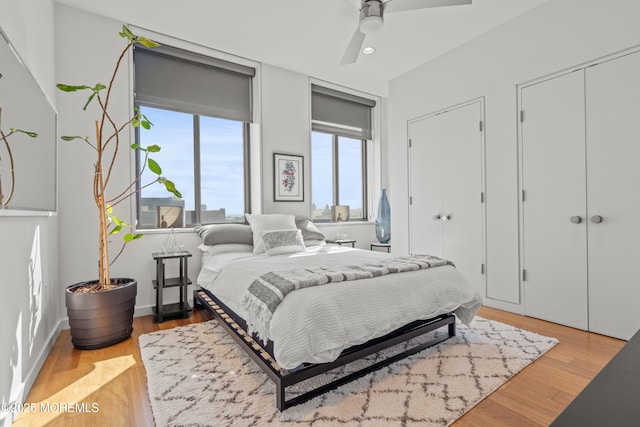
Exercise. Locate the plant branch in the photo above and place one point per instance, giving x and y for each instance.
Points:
(105, 106)
(118, 254)
(116, 135)
(97, 168)
(11, 171)
(126, 196)
(135, 181)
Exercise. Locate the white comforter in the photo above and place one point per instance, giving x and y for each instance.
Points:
(315, 324)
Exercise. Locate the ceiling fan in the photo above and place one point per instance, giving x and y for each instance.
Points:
(372, 18)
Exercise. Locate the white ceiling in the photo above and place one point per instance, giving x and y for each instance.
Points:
(310, 36)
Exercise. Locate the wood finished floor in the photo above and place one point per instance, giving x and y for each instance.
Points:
(115, 379)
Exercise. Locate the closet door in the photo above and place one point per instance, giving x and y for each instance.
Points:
(446, 212)
(613, 166)
(461, 196)
(554, 208)
(425, 186)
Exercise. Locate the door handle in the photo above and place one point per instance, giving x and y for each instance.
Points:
(597, 219)
(436, 217)
(576, 219)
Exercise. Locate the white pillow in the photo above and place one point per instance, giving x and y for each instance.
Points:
(268, 222)
(283, 242)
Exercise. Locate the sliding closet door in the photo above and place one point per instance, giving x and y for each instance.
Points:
(446, 212)
(554, 208)
(613, 165)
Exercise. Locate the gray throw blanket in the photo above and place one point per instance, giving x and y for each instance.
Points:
(269, 290)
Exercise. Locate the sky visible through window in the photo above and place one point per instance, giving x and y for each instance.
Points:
(350, 174)
(221, 157)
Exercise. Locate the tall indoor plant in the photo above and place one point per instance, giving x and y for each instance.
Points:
(101, 311)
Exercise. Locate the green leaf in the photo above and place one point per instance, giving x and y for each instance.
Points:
(129, 237)
(71, 138)
(93, 95)
(147, 43)
(31, 134)
(171, 188)
(126, 33)
(71, 88)
(109, 209)
(136, 147)
(140, 119)
(154, 166)
(153, 148)
(115, 230)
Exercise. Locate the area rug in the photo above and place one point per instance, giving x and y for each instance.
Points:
(198, 376)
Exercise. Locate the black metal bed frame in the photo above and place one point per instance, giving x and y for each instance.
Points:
(285, 378)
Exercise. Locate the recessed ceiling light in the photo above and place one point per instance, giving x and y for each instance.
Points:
(368, 50)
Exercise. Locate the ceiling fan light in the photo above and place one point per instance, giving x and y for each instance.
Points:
(371, 24)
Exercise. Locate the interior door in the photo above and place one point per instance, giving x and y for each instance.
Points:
(425, 186)
(613, 157)
(462, 187)
(554, 208)
(446, 214)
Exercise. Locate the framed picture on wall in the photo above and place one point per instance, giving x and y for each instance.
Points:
(288, 177)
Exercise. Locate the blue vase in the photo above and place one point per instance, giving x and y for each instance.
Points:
(383, 218)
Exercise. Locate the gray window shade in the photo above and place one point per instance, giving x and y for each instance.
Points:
(175, 79)
(341, 113)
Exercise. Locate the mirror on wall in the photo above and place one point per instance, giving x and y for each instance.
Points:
(31, 184)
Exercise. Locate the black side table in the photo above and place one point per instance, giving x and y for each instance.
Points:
(182, 308)
(385, 246)
(341, 242)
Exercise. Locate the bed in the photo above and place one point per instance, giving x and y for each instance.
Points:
(318, 327)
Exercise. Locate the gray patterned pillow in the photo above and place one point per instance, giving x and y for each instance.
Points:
(278, 242)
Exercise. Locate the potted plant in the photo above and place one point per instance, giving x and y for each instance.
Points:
(101, 311)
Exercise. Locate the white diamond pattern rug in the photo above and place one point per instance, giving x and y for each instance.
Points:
(198, 376)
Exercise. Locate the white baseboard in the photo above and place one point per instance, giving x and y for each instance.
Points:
(30, 378)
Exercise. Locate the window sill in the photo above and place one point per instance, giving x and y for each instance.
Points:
(343, 224)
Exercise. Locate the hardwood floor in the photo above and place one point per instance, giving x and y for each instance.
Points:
(111, 382)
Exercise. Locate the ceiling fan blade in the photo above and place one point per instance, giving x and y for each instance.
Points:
(355, 3)
(353, 49)
(392, 6)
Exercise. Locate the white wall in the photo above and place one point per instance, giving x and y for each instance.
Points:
(286, 128)
(29, 25)
(30, 309)
(557, 35)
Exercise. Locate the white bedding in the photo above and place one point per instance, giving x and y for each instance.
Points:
(315, 324)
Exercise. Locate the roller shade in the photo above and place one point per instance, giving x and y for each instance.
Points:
(175, 79)
(341, 113)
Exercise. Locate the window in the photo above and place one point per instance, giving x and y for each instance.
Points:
(200, 108)
(341, 128)
(339, 171)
